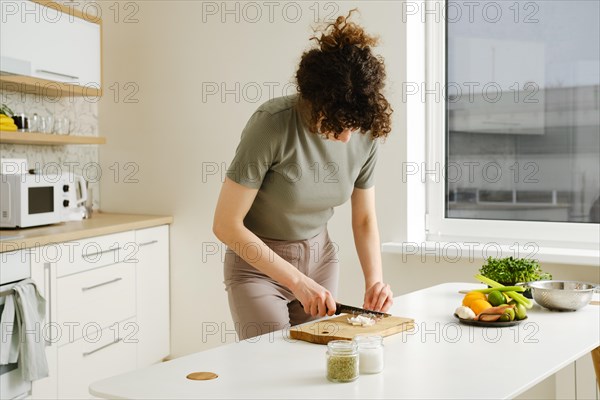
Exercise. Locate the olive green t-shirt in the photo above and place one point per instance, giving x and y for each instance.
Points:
(300, 175)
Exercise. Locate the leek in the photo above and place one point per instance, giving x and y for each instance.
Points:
(500, 289)
(519, 298)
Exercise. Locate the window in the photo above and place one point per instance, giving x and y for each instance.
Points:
(521, 120)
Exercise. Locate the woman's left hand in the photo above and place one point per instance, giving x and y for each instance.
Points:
(378, 297)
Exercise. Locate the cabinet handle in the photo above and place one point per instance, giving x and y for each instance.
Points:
(87, 353)
(89, 255)
(83, 289)
(45, 71)
(147, 243)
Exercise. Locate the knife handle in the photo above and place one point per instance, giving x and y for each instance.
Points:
(338, 309)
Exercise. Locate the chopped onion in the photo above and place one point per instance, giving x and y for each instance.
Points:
(362, 320)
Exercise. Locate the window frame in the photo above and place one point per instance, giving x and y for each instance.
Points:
(437, 226)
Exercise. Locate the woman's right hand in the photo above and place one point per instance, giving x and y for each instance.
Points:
(316, 300)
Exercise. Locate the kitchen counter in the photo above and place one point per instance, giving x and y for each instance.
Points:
(99, 224)
(440, 358)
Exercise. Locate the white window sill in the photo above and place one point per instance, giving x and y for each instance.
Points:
(454, 251)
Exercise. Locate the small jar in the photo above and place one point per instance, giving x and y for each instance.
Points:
(370, 352)
(342, 361)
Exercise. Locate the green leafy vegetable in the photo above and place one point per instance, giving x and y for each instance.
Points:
(509, 270)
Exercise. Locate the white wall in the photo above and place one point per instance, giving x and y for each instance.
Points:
(173, 134)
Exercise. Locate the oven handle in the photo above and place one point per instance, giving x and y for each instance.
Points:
(7, 292)
(48, 295)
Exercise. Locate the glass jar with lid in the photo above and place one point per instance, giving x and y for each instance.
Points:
(370, 353)
(342, 361)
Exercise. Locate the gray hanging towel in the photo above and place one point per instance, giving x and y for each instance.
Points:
(28, 309)
(9, 345)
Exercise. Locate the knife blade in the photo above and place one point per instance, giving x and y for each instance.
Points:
(343, 308)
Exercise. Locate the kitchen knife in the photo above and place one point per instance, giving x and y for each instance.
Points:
(342, 308)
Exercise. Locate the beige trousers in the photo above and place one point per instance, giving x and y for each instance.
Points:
(261, 305)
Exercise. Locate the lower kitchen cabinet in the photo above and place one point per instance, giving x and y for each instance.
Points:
(152, 294)
(111, 351)
(577, 381)
(107, 311)
(94, 300)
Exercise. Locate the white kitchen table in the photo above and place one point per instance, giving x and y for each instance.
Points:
(439, 359)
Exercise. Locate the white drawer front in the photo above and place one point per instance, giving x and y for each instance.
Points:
(95, 299)
(149, 236)
(82, 362)
(85, 254)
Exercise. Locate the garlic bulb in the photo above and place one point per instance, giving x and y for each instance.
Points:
(465, 313)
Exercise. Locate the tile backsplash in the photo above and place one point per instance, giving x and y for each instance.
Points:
(80, 159)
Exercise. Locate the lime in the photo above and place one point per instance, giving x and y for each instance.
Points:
(504, 318)
(496, 298)
(520, 312)
(511, 313)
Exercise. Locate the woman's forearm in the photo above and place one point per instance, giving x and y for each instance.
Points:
(256, 253)
(366, 240)
(314, 298)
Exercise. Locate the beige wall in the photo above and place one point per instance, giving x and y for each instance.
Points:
(172, 134)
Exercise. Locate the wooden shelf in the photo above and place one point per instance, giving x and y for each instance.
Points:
(45, 88)
(47, 139)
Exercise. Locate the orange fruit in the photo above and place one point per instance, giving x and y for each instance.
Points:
(471, 297)
(479, 305)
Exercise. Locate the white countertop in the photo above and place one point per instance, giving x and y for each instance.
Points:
(440, 359)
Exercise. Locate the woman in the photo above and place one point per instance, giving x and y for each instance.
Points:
(299, 157)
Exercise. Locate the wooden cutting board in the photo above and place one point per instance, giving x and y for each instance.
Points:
(338, 328)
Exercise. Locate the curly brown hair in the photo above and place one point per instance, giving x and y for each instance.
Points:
(342, 82)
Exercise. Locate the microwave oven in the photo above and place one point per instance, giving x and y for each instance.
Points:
(28, 200)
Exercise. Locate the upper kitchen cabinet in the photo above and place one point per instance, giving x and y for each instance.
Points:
(49, 49)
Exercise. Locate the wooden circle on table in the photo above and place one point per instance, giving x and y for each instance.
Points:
(202, 376)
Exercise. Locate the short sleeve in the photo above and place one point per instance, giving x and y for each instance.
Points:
(255, 152)
(366, 176)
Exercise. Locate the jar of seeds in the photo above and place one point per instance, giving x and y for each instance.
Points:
(342, 361)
